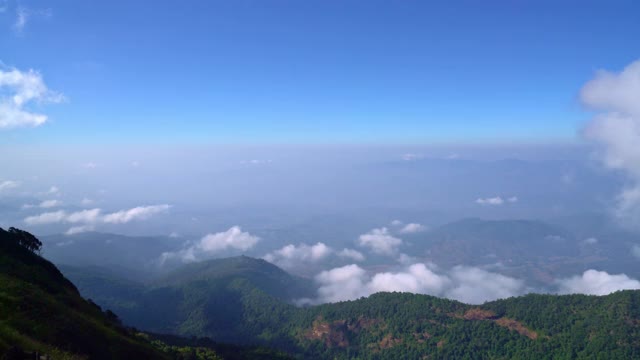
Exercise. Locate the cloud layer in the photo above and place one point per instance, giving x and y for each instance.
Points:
(466, 284)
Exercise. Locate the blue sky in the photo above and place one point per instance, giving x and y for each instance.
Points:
(314, 71)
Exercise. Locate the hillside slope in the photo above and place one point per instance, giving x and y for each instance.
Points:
(40, 310)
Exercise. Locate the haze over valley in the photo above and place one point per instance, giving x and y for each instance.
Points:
(330, 180)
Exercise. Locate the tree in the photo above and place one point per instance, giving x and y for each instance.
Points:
(26, 239)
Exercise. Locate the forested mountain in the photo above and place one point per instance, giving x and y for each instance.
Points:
(42, 313)
(244, 301)
(229, 300)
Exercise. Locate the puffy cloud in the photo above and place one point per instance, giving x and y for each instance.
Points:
(616, 127)
(595, 282)
(291, 255)
(380, 241)
(86, 201)
(474, 285)
(616, 92)
(17, 90)
(340, 284)
(53, 190)
(232, 239)
(590, 241)
(137, 213)
(467, 284)
(296, 256)
(8, 184)
(351, 254)
(94, 216)
(417, 278)
(412, 228)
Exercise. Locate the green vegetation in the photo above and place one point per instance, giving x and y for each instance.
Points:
(41, 311)
(231, 300)
(241, 300)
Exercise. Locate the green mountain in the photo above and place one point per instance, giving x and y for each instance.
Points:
(212, 298)
(242, 300)
(41, 311)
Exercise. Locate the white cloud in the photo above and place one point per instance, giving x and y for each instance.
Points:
(380, 241)
(137, 213)
(474, 285)
(490, 201)
(297, 256)
(340, 284)
(90, 165)
(94, 216)
(50, 203)
(396, 223)
(232, 239)
(79, 229)
(467, 284)
(84, 216)
(412, 228)
(291, 256)
(8, 184)
(595, 282)
(53, 190)
(46, 204)
(18, 89)
(417, 278)
(86, 201)
(46, 218)
(513, 199)
(351, 254)
(616, 96)
(590, 241)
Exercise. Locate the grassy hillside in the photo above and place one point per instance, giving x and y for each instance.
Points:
(42, 311)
